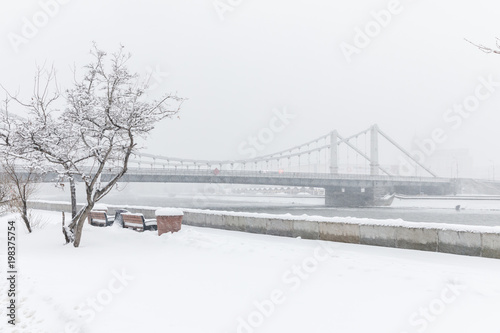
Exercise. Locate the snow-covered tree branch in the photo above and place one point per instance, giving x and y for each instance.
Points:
(106, 112)
(487, 49)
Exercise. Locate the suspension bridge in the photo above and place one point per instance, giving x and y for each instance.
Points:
(316, 163)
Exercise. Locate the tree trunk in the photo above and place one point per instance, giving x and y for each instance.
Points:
(24, 214)
(65, 233)
(79, 225)
(72, 187)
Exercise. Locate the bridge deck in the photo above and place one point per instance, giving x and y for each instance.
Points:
(274, 178)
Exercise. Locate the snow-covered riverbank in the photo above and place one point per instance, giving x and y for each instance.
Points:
(205, 280)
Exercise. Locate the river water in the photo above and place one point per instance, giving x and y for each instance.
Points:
(472, 212)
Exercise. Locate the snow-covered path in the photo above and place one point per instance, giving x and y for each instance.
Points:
(206, 280)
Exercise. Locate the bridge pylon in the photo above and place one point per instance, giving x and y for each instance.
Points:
(374, 161)
(334, 166)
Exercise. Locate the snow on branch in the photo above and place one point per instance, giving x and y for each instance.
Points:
(487, 49)
(105, 113)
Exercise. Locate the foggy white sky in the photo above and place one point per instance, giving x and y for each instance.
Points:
(279, 54)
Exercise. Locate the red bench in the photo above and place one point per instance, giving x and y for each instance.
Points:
(138, 222)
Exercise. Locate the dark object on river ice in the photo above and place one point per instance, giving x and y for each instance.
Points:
(457, 208)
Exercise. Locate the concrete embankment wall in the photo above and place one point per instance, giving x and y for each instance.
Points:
(455, 239)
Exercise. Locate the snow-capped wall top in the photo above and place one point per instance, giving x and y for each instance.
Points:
(169, 212)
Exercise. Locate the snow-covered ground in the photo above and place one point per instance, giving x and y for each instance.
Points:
(207, 280)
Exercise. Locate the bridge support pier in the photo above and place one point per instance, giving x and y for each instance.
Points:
(336, 196)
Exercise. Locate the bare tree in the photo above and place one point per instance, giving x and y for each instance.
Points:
(108, 110)
(5, 193)
(39, 140)
(92, 139)
(22, 182)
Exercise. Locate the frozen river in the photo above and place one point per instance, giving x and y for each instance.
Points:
(473, 212)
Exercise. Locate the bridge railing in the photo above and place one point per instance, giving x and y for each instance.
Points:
(270, 174)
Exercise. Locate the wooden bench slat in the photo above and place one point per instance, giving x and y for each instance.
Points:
(137, 221)
(98, 218)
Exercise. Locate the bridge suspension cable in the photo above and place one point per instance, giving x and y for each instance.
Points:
(310, 151)
(394, 143)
